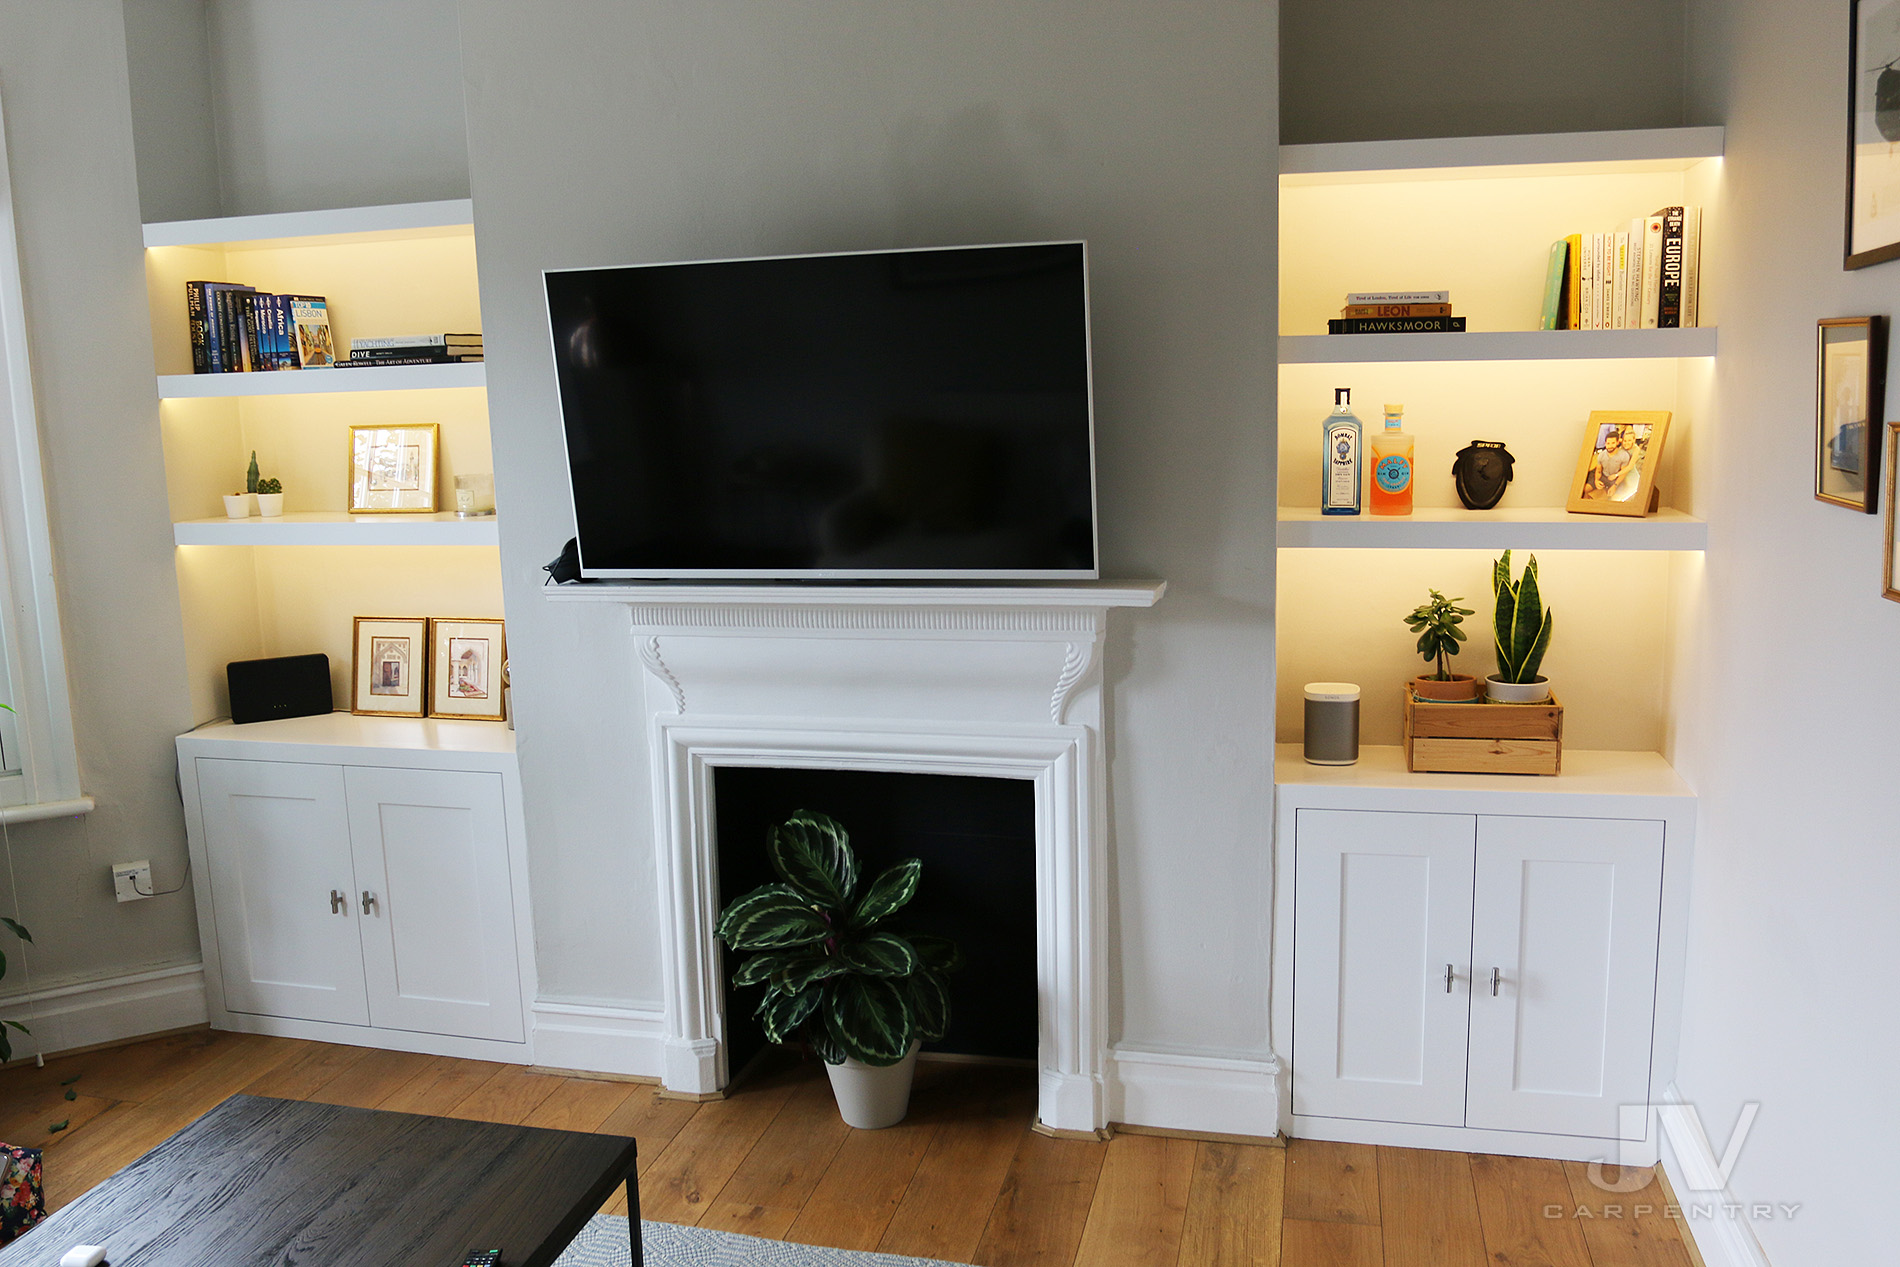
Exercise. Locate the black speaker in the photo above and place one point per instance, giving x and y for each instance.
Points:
(282, 686)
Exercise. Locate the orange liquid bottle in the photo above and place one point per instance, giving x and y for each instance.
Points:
(1391, 492)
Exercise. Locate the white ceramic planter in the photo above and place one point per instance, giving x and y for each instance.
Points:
(270, 505)
(1516, 692)
(237, 505)
(871, 1097)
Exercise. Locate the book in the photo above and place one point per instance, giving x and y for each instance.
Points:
(1389, 310)
(1395, 325)
(1633, 301)
(1399, 297)
(414, 341)
(1606, 278)
(358, 363)
(1555, 272)
(1592, 257)
(1669, 290)
(310, 320)
(423, 353)
(1620, 283)
(1691, 266)
(1573, 283)
(195, 324)
(221, 343)
(1652, 268)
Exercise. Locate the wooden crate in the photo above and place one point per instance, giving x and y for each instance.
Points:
(1483, 738)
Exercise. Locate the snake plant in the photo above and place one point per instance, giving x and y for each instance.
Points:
(1521, 626)
(831, 974)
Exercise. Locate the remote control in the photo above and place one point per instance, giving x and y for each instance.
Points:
(482, 1258)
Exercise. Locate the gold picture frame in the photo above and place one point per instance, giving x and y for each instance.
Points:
(1616, 471)
(393, 469)
(389, 666)
(466, 657)
(1889, 587)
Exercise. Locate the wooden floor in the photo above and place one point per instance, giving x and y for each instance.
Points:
(963, 1178)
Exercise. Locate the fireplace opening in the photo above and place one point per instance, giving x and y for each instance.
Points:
(976, 837)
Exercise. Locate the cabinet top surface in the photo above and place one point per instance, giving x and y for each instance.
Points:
(349, 731)
(1585, 773)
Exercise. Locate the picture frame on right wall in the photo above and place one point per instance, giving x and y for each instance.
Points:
(1873, 133)
(1889, 587)
(1850, 376)
(465, 668)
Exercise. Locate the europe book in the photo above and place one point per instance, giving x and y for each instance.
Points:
(1669, 296)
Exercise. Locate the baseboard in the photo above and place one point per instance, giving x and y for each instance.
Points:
(1209, 1095)
(107, 1011)
(598, 1038)
(1712, 1219)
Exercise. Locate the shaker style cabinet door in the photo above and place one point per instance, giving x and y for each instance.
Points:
(435, 902)
(278, 840)
(1567, 912)
(1382, 965)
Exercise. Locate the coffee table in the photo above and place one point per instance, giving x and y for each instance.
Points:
(259, 1181)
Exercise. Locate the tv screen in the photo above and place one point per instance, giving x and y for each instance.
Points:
(917, 414)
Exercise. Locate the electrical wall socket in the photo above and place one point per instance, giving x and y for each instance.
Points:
(132, 881)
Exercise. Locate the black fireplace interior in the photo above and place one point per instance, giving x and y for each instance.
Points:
(977, 839)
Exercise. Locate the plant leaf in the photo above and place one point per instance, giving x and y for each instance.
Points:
(823, 1043)
(812, 853)
(930, 1002)
(802, 976)
(772, 918)
(888, 892)
(780, 1013)
(57, 1127)
(764, 966)
(23, 1029)
(939, 954)
(871, 1018)
(880, 955)
(71, 1094)
(19, 929)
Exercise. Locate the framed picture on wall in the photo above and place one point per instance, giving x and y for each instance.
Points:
(1850, 383)
(1873, 133)
(392, 469)
(466, 658)
(1888, 586)
(389, 666)
(1616, 471)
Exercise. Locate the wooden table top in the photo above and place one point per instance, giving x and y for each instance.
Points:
(260, 1181)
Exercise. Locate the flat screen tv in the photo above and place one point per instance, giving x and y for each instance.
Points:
(876, 415)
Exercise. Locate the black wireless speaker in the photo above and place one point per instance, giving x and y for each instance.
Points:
(281, 686)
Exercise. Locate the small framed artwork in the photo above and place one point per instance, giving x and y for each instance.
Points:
(1873, 133)
(1850, 382)
(465, 678)
(389, 666)
(1889, 586)
(393, 470)
(1616, 471)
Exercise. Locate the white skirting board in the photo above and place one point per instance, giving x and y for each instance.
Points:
(598, 1038)
(109, 1010)
(1711, 1215)
(1215, 1094)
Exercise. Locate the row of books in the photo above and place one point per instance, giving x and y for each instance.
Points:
(413, 349)
(1397, 312)
(1643, 277)
(237, 328)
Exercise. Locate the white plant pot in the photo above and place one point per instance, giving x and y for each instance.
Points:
(1516, 692)
(237, 505)
(270, 505)
(871, 1097)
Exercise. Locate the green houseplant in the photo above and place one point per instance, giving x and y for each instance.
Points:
(1436, 624)
(18, 930)
(1521, 627)
(861, 995)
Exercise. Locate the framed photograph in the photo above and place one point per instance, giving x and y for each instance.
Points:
(389, 666)
(1873, 133)
(1616, 472)
(465, 678)
(1888, 587)
(392, 470)
(1850, 383)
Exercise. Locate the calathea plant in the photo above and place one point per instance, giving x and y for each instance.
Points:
(1522, 624)
(832, 974)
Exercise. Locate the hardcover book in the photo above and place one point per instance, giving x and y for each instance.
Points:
(1396, 325)
(1652, 269)
(1669, 296)
(1399, 297)
(1396, 310)
(1554, 284)
(310, 318)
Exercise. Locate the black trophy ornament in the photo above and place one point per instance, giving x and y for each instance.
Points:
(1482, 470)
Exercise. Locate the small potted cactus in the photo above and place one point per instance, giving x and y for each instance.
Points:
(270, 498)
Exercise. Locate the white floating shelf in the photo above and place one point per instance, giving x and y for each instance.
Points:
(1444, 158)
(1455, 528)
(1586, 773)
(394, 378)
(453, 216)
(334, 528)
(1506, 345)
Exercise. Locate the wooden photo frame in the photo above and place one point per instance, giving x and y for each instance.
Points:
(466, 658)
(1889, 584)
(393, 469)
(1850, 384)
(1616, 471)
(1873, 133)
(389, 666)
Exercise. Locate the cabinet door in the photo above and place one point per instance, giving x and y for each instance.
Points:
(1382, 911)
(278, 841)
(1567, 912)
(431, 849)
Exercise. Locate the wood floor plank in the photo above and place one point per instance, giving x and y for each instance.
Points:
(307, 1072)
(146, 1072)
(853, 1203)
(1332, 1183)
(507, 1096)
(1235, 1207)
(222, 1070)
(581, 1104)
(1313, 1243)
(1140, 1204)
(650, 1118)
(373, 1079)
(113, 1140)
(28, 1120)
(950, 1198)
(1514, 1194)
(442, 1083)
(1428, 1211)
(1039, 1215)
(1639, 1234)
(770, 1187)
(688, 1174)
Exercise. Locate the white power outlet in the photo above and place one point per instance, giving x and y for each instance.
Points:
(132, 881)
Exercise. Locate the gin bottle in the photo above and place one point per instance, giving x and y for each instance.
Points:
(1340, 458)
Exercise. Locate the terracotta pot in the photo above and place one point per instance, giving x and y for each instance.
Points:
(1516, 692)
(1462, 686)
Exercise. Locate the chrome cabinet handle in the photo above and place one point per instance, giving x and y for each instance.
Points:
(337, 901)
(1448, 976)
(1494, 983)
(369, 903)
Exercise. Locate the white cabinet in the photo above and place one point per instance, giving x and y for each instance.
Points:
(358, 892)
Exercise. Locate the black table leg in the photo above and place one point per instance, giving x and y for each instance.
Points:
(633, 1220)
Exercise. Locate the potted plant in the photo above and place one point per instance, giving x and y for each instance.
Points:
(18, 930)
(1436, 624)
(862, 996)
(270, 498)
(243, 505)
(1521, 630)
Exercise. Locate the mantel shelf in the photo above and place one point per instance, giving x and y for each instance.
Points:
(393, 378)
(1517, 528)
(1098, 594)
(1496, 345)
(335, 528)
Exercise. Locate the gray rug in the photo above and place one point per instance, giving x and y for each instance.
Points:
(603, 1243)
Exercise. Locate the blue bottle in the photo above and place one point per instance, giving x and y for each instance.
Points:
(1340, 458)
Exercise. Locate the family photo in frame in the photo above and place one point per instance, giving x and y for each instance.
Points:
(1616, 471)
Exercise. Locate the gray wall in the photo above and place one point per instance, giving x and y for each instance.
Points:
(69, 144)
(608, 133)
(1368, 70)
(173, 124)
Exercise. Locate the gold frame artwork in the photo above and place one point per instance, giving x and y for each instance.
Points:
(1850, 386)
(386, 478)
(454, 687)
(392, 683)
(1595, 492)
(1889, 589)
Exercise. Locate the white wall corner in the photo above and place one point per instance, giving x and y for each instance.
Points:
(108, 1010)
(1712, 1217)
(1216, 1094)
(598, 1038)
